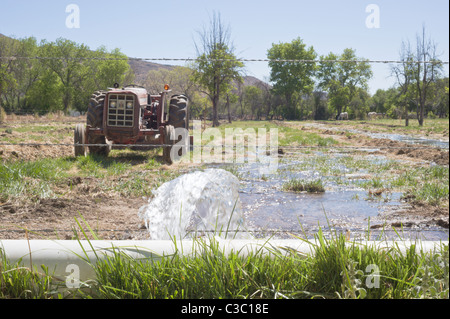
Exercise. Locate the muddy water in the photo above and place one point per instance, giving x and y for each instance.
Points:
(342, 208)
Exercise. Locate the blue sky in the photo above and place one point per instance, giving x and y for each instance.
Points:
(167, 28)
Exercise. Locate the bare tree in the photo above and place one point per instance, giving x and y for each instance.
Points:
(216, 66)
(404, 75)
(418, 70)
(425, 73)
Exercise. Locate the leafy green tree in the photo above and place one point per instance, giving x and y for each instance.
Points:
(385, 101)
(253, 101)
(342, 80)
(25, 72)
(291, 79)
(108, 68)
(179, 79)
(65, 58)
(45, 95)
(8, 49)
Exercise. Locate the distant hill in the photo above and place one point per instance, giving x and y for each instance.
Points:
(142, 67)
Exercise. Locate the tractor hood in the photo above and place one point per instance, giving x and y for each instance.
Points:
(141, 93)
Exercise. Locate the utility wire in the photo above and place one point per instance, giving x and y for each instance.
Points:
(222, 60)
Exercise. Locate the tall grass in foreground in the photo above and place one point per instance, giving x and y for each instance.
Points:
(337, 269)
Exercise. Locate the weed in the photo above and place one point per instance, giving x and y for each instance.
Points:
(299, 185)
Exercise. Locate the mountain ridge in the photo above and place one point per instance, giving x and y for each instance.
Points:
(142, 67)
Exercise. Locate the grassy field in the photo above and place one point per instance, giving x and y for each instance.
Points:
(29, 175)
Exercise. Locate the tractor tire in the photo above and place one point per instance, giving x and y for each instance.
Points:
(94, 118)
(79, 138)
(179, 112)
(179, 117)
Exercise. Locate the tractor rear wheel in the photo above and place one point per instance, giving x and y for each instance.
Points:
(94, 119)
(179, 112)
(179, 118)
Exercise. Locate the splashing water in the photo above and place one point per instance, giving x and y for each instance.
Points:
(194, 203)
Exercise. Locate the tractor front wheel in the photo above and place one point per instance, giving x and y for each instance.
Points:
(94, 118)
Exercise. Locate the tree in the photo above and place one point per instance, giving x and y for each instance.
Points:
(8, 50)
(342, 80)
(291, 79)
(416, 74)
(216, 65)
(253, 101)
(403, 73)
(438, 98)
(107, 68)
(179, 78)
(65, 58)
(25, 72)
(425, 73)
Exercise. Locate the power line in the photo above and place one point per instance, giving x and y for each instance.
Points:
(222, 60)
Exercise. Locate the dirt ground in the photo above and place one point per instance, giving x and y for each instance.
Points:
(116, 217)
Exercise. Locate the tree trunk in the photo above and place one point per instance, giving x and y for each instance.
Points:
(215, 104)
(406, 115)
(228, 107)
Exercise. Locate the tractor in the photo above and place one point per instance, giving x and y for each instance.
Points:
(131, 116)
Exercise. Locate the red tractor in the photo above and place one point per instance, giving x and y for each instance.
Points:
(131, 116)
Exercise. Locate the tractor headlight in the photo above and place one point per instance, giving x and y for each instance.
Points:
(129, 105)
(112, 104)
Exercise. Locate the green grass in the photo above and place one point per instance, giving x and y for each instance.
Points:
(299, 185)
(427, 184)
(287, 136)
(32, 179)
(124, 173)
(336, 269)
(398, 126)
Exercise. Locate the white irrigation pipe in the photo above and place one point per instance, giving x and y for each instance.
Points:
(67, 260)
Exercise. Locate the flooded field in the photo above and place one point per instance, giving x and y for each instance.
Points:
(346, 206)
(370, 186)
